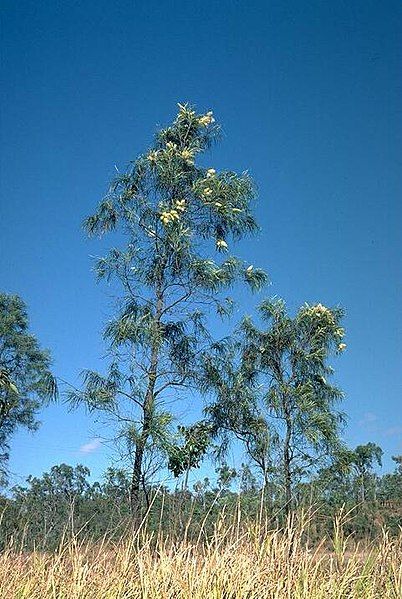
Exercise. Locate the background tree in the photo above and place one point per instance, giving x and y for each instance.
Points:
(54, 503)
(334, 483)
(177, 218)
(364, 459)
(391, 484)
(64, 501)
(25, 378)
(279, 389)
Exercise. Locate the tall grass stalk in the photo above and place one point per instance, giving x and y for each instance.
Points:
(238, 561)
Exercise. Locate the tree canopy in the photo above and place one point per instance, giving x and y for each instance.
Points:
(178, 220)
(26, 381)
(273, 389)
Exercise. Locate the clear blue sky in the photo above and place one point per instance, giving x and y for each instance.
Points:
(309, 96)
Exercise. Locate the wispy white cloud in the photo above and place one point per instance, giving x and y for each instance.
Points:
(91, 446)
(368, 419)
(372, 424)
(393, 431)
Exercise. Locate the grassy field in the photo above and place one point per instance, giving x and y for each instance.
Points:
(235, 563)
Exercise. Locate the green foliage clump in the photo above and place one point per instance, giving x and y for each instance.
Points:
(273, 391)
(26, 381)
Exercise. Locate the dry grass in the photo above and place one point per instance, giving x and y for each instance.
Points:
(235, 563)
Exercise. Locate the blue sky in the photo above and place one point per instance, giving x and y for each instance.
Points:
(309, 96)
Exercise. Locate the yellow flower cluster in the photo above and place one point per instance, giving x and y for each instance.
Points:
(187, 155)
(221, 245)
(319, 309)
(341, 346)
(207, 191)
(206, 119)
(169, 216)
(171, 148)
(153, 156)
(185, 112)
(211, 172)
(180, 205)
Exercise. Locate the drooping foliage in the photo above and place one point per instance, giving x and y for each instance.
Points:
(178, 220)
(273, 390)
(26, 381)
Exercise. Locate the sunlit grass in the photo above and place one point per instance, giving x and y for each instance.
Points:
(236, 562)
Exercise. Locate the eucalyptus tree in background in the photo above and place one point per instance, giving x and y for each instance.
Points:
(351, 476)
(26, 381)
(178, 220)
(363, 459)
(278, 397)
(391, 484)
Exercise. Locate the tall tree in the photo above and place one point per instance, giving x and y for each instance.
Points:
(364, 459)
(25, 378)
(391, 484)
(278, 396)
(350, 476)
(177, 218)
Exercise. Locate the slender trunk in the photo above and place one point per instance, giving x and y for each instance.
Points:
(148, 406)
(362, 489)
(267, 489)
(135, 491)
(182, 500)
(185, 482)
(287, 461)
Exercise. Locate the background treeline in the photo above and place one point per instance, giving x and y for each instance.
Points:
(64, 502)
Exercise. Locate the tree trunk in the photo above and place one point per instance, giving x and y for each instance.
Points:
(362, 489)
(135, 489)
(287, 463)
(136, 481)
(148, 406)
